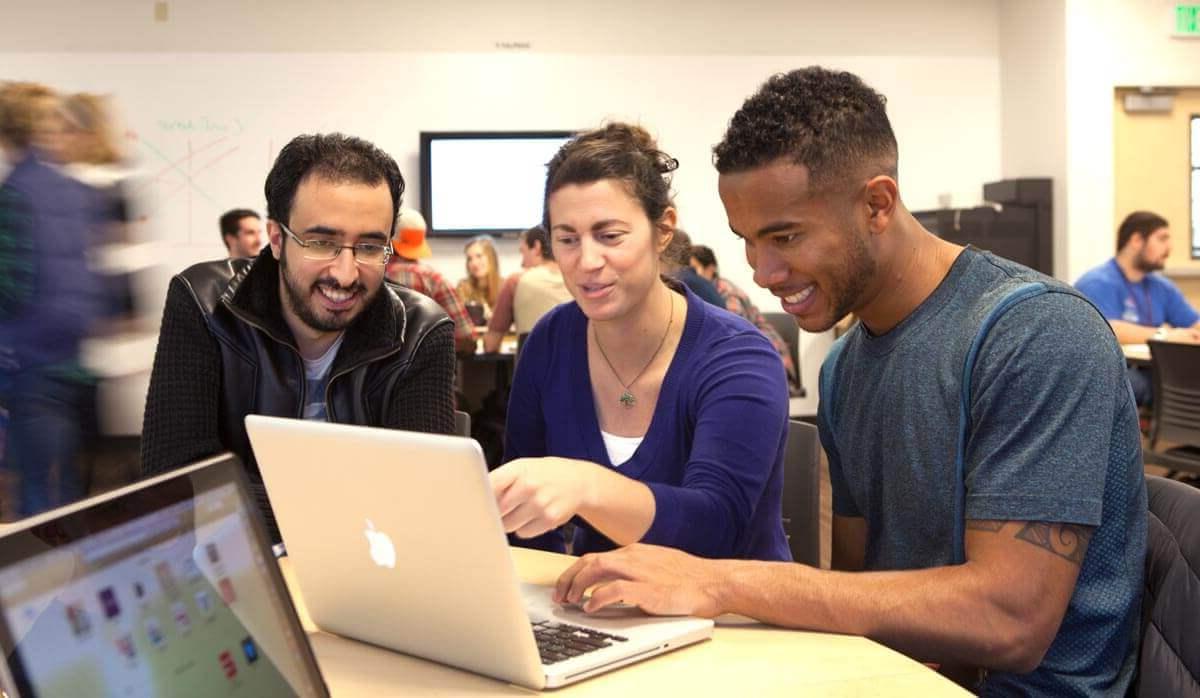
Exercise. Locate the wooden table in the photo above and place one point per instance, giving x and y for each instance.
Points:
(742, 659)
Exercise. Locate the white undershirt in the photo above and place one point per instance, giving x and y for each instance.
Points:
(620, 448)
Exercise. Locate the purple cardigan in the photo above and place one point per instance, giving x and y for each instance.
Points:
(713, 455)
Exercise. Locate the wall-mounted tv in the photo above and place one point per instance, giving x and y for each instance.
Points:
(475, 182)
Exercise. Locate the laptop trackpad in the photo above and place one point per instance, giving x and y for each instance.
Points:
(539, 602)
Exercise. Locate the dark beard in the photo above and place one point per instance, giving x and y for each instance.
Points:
(298, 302)
(859, 268)
(1141, 264)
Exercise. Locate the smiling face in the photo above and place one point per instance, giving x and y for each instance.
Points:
(606, 247)
(478, 263)
(809, 250)
(322, 297)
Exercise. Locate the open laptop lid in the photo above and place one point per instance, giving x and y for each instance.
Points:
(164, 587)
(408, 552)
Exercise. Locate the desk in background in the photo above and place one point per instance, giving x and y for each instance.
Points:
(481, 373)
(743, 658)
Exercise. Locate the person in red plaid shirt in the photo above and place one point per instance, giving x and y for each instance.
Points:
(409, 246)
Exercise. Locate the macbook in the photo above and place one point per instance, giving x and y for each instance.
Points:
(395, 540)
(164, 587)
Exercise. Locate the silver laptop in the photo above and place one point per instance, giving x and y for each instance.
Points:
(395, 540)
(164, 587)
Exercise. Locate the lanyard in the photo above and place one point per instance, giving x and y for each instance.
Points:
(1146, 311)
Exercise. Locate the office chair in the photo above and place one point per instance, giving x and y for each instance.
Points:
(462, 423)
(1175, 422)
(1169, 658)
(802, 493)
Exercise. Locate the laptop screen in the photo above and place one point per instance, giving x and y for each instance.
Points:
(167, 590)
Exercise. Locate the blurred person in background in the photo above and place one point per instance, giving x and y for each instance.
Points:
(87, 146)
(675, 263)
(704, 262)
(1139, 302)
(481, 287)
(242, 232)
(529, 294)
(49, 299)
(120, 350)
(408, 247)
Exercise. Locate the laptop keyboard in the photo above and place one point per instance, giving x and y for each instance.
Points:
(559, 641)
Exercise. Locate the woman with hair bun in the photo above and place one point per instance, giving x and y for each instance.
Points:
(638, 411)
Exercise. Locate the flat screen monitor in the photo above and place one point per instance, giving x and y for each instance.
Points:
(476, 182)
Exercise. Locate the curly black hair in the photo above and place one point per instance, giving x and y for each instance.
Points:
(829, 121)
(333, 156)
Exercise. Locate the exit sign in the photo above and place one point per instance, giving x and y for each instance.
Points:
(1187, 20)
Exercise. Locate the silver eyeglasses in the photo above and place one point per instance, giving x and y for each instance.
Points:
(325, 250)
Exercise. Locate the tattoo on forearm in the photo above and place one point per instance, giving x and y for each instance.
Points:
(985, 525)
(1068, 541)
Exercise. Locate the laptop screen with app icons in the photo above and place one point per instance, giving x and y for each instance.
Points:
(166, 590)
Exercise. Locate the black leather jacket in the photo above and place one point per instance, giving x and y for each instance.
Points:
(225, 351)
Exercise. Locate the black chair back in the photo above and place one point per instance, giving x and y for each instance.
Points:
(1175, 422)
(1176, 368)
(1169, 659)
(802, 493)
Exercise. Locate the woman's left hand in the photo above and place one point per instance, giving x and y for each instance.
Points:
(536, 495)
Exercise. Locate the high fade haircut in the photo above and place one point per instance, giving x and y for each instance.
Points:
(336, 158)
(829, 121)
(1138, 223)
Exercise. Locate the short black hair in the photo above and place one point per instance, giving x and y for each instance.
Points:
(230, 219)
(537, 234)
(1138, 223)
(332, 156)
(704, 255)
(830, 122)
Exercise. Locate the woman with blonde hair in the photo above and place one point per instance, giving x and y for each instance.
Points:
(88, 134)
(482, 283)
(90, 151)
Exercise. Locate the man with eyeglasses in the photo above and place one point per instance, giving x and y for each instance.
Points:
(309, 328)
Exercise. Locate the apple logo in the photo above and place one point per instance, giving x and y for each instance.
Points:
(383, 553)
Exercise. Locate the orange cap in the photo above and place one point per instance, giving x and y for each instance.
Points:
(409, 240)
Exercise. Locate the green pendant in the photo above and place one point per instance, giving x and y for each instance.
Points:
(627, 399)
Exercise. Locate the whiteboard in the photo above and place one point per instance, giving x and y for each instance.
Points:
(205, 128)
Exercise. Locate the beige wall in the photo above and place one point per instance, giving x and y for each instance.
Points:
(1033, 91)
(1151, 171)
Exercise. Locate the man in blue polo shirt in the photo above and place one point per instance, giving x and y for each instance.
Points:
(1138, 302)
